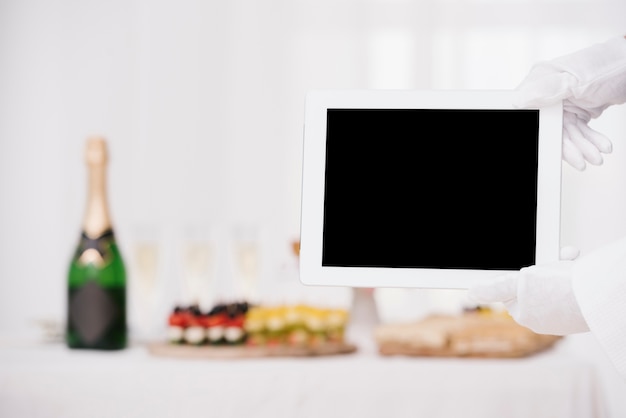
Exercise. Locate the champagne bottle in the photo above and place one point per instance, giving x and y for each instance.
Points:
(96, 309)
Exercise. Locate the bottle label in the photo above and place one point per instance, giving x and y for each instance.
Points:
(93, 310)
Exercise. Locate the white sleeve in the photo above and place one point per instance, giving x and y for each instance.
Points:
(599, 285)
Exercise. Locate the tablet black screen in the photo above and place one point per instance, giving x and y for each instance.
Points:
(411, 188)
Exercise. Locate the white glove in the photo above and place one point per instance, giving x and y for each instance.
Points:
(538, 297)
(588, 81)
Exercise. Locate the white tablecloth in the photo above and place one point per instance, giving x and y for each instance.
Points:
(52, 381)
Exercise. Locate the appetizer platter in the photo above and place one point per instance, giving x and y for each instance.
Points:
(240, 330)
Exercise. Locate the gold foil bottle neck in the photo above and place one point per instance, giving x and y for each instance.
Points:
(97, 219)
(96, 151)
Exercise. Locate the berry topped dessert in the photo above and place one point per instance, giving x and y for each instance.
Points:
(223, 324)
(240, 323)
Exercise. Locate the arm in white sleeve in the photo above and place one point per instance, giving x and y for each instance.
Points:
(539, 297)
(587, 81)
(599, 285)
(567, 297)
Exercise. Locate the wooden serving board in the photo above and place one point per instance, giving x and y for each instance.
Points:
(390, 349)
(468, 335)
(165, 349)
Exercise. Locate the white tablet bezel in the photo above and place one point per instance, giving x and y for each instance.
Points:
(312, 211)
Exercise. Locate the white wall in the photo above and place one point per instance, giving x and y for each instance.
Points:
(202, 102)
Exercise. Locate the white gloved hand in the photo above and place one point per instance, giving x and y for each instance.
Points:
(538, 297)
(587, 81)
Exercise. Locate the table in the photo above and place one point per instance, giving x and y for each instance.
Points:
(52, 381)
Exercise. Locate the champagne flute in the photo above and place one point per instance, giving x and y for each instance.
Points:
(146, 265)
(198, 261)
(246, 259)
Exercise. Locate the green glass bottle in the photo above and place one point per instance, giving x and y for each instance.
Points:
(96, 308)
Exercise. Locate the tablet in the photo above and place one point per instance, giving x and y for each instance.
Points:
(426, 189)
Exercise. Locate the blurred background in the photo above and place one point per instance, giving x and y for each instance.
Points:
(202, 104)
